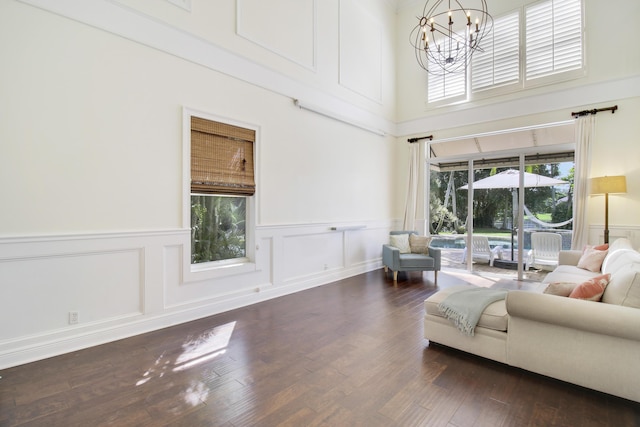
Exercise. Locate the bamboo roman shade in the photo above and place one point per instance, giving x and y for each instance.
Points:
(221, 158)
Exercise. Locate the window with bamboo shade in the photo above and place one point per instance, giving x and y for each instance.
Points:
(222, 181)
(221, 158)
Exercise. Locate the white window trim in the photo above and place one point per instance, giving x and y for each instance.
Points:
(215, 269)
(555, 77)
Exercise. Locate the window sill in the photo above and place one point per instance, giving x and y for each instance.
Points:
(214, 270)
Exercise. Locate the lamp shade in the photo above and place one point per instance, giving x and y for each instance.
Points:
(609, 184)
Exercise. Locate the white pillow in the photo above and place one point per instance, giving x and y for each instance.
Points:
(400, 241)
(591, 259)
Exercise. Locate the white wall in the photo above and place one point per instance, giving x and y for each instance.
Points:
(91, 178)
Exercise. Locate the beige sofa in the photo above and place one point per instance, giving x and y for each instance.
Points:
(592, 344)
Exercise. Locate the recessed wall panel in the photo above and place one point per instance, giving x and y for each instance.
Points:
(38, 293)
(360, 51)
(285, 27)
(305, 255)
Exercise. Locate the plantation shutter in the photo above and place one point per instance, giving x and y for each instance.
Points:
(553, 37)
(221, 158)
(499, 62)
(446, 85)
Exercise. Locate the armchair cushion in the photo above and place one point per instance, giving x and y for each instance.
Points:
(400, 241)
(419, 244)
(416, 261)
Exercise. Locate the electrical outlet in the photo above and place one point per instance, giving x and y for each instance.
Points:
(73, 317)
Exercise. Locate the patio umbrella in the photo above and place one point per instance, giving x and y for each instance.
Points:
(511, 179)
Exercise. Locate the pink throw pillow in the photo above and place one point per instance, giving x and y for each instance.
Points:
(592, 289)
(592, 259)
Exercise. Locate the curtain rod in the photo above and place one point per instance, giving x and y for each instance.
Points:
(594, 111)
(412, 140)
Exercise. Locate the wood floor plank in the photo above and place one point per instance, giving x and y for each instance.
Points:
(347, 353)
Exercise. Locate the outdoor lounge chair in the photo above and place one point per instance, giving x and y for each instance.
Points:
(482, 250)
(545, 250)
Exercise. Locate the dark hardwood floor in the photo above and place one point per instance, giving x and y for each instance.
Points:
(350, 353)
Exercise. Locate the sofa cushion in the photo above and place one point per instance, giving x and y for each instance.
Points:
(416, 260)
(592, 258)
(569, 273)
(624, 287)
(493, 317)
(617, 259)
(419, 244)
(592, 289)
(400, 241)
(620, 243)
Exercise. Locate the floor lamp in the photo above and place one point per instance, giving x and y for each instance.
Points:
(607, 185)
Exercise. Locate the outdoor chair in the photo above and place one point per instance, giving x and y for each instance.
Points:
(482, 251)
(545, 250)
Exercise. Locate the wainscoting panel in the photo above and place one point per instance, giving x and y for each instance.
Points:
(126, 283)
(310, 254)
(363, 246)
(631, 232)
(97, 286)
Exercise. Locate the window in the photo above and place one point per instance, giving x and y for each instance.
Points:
(551, 49)
(450, 86)
(447, 86)
(499, 62)
(554, 37)
(222, 180)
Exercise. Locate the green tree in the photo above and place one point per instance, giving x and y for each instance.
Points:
(217, 228)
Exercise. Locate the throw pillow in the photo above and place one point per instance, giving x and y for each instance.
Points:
(592, 289)
(400, 241)
(603, 247)
(419, 244)
(591, 259)
(561, 289)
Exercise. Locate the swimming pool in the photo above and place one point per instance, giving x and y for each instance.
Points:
(458, 242)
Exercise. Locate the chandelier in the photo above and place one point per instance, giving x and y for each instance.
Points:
(448, 33)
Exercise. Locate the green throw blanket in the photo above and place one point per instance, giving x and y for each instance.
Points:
(465, 307)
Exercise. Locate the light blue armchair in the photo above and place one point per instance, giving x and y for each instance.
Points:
(395, 261)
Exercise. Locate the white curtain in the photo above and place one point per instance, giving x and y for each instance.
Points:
(411, 207)
(585, 131)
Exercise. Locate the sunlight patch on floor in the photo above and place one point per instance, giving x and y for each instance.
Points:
(205, 347)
